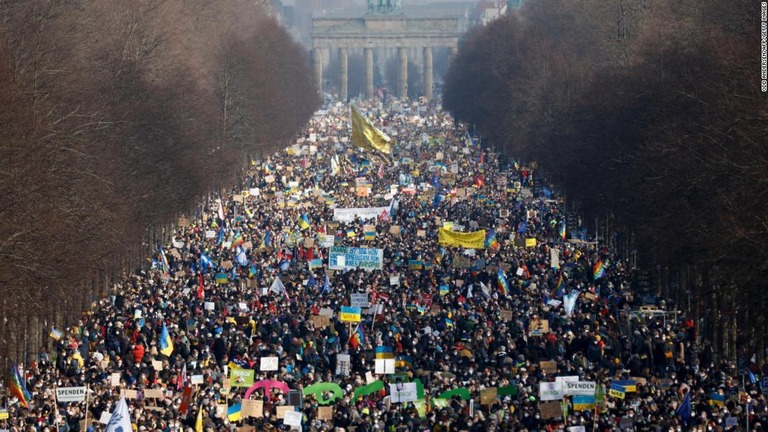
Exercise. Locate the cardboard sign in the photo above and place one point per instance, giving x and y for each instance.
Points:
(154, 394)
(395, 230)
(550, 410)
(549, 366)
(321, 321)
(325, 413)
(281, 410)
(157, 365)
(538, 327)
(505, 314)
(488, 396)
(252, 408)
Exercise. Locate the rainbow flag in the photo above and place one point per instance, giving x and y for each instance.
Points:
(238, 240)
(18, 388)
(598, 270)
(358, 337)
(491, 242)
(559, 287)
(303, 221)
(562, 230)
(502, 281)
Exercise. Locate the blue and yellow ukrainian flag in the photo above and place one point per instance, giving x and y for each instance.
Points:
(166, 344)
(303, 221)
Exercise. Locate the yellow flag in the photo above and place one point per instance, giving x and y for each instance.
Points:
(473, 240)
(365, 135)
(199, 421)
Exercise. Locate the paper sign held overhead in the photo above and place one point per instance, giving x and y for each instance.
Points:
(268, 364)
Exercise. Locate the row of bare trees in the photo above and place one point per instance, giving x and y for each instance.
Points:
(650, 112)
(116, 117)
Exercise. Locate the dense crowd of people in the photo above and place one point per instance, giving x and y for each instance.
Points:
(248, 278)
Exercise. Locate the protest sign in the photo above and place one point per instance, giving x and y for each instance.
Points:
(342, 258)
(268, 364)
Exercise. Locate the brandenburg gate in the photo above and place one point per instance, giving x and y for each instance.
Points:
(384, 26)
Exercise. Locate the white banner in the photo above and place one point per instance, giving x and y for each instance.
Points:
(407, 392)
(342, 258)
(70, 394)
(580, 388)
(549, 391)
(349, 214)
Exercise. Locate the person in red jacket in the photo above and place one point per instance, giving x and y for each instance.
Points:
(138, 352)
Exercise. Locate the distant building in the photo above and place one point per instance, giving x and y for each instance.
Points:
(487, 11)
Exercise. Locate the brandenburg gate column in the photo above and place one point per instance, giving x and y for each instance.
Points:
(317, 56)
(428, 73)
(344, 72)
(369, 73)
(403, 84)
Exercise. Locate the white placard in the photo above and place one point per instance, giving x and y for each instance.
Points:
(519, 271)
(105, 416)
(579, 428)
(407, 393)
(394, 280)
(341, 261)
(327, 240)
(268, 364)
(292, 418)
(70, 394)
(197, 379)
(549, 391)
(384, 366)
(359, 300)
(210, 305)
(114, 379)
(209, 234)
(343, 364)
(580, 388)
(563, 379)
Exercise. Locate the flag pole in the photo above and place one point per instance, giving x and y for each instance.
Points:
(375, 308)
(85, 420)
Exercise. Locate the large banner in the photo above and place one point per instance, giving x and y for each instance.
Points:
(342, 258)
(349, 214)
(471, 240)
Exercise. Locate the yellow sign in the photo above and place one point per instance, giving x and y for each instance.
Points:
(617, 394)
(530, 242)
(473, 240)
(3, 414)
(365, 135)
(350, 314)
